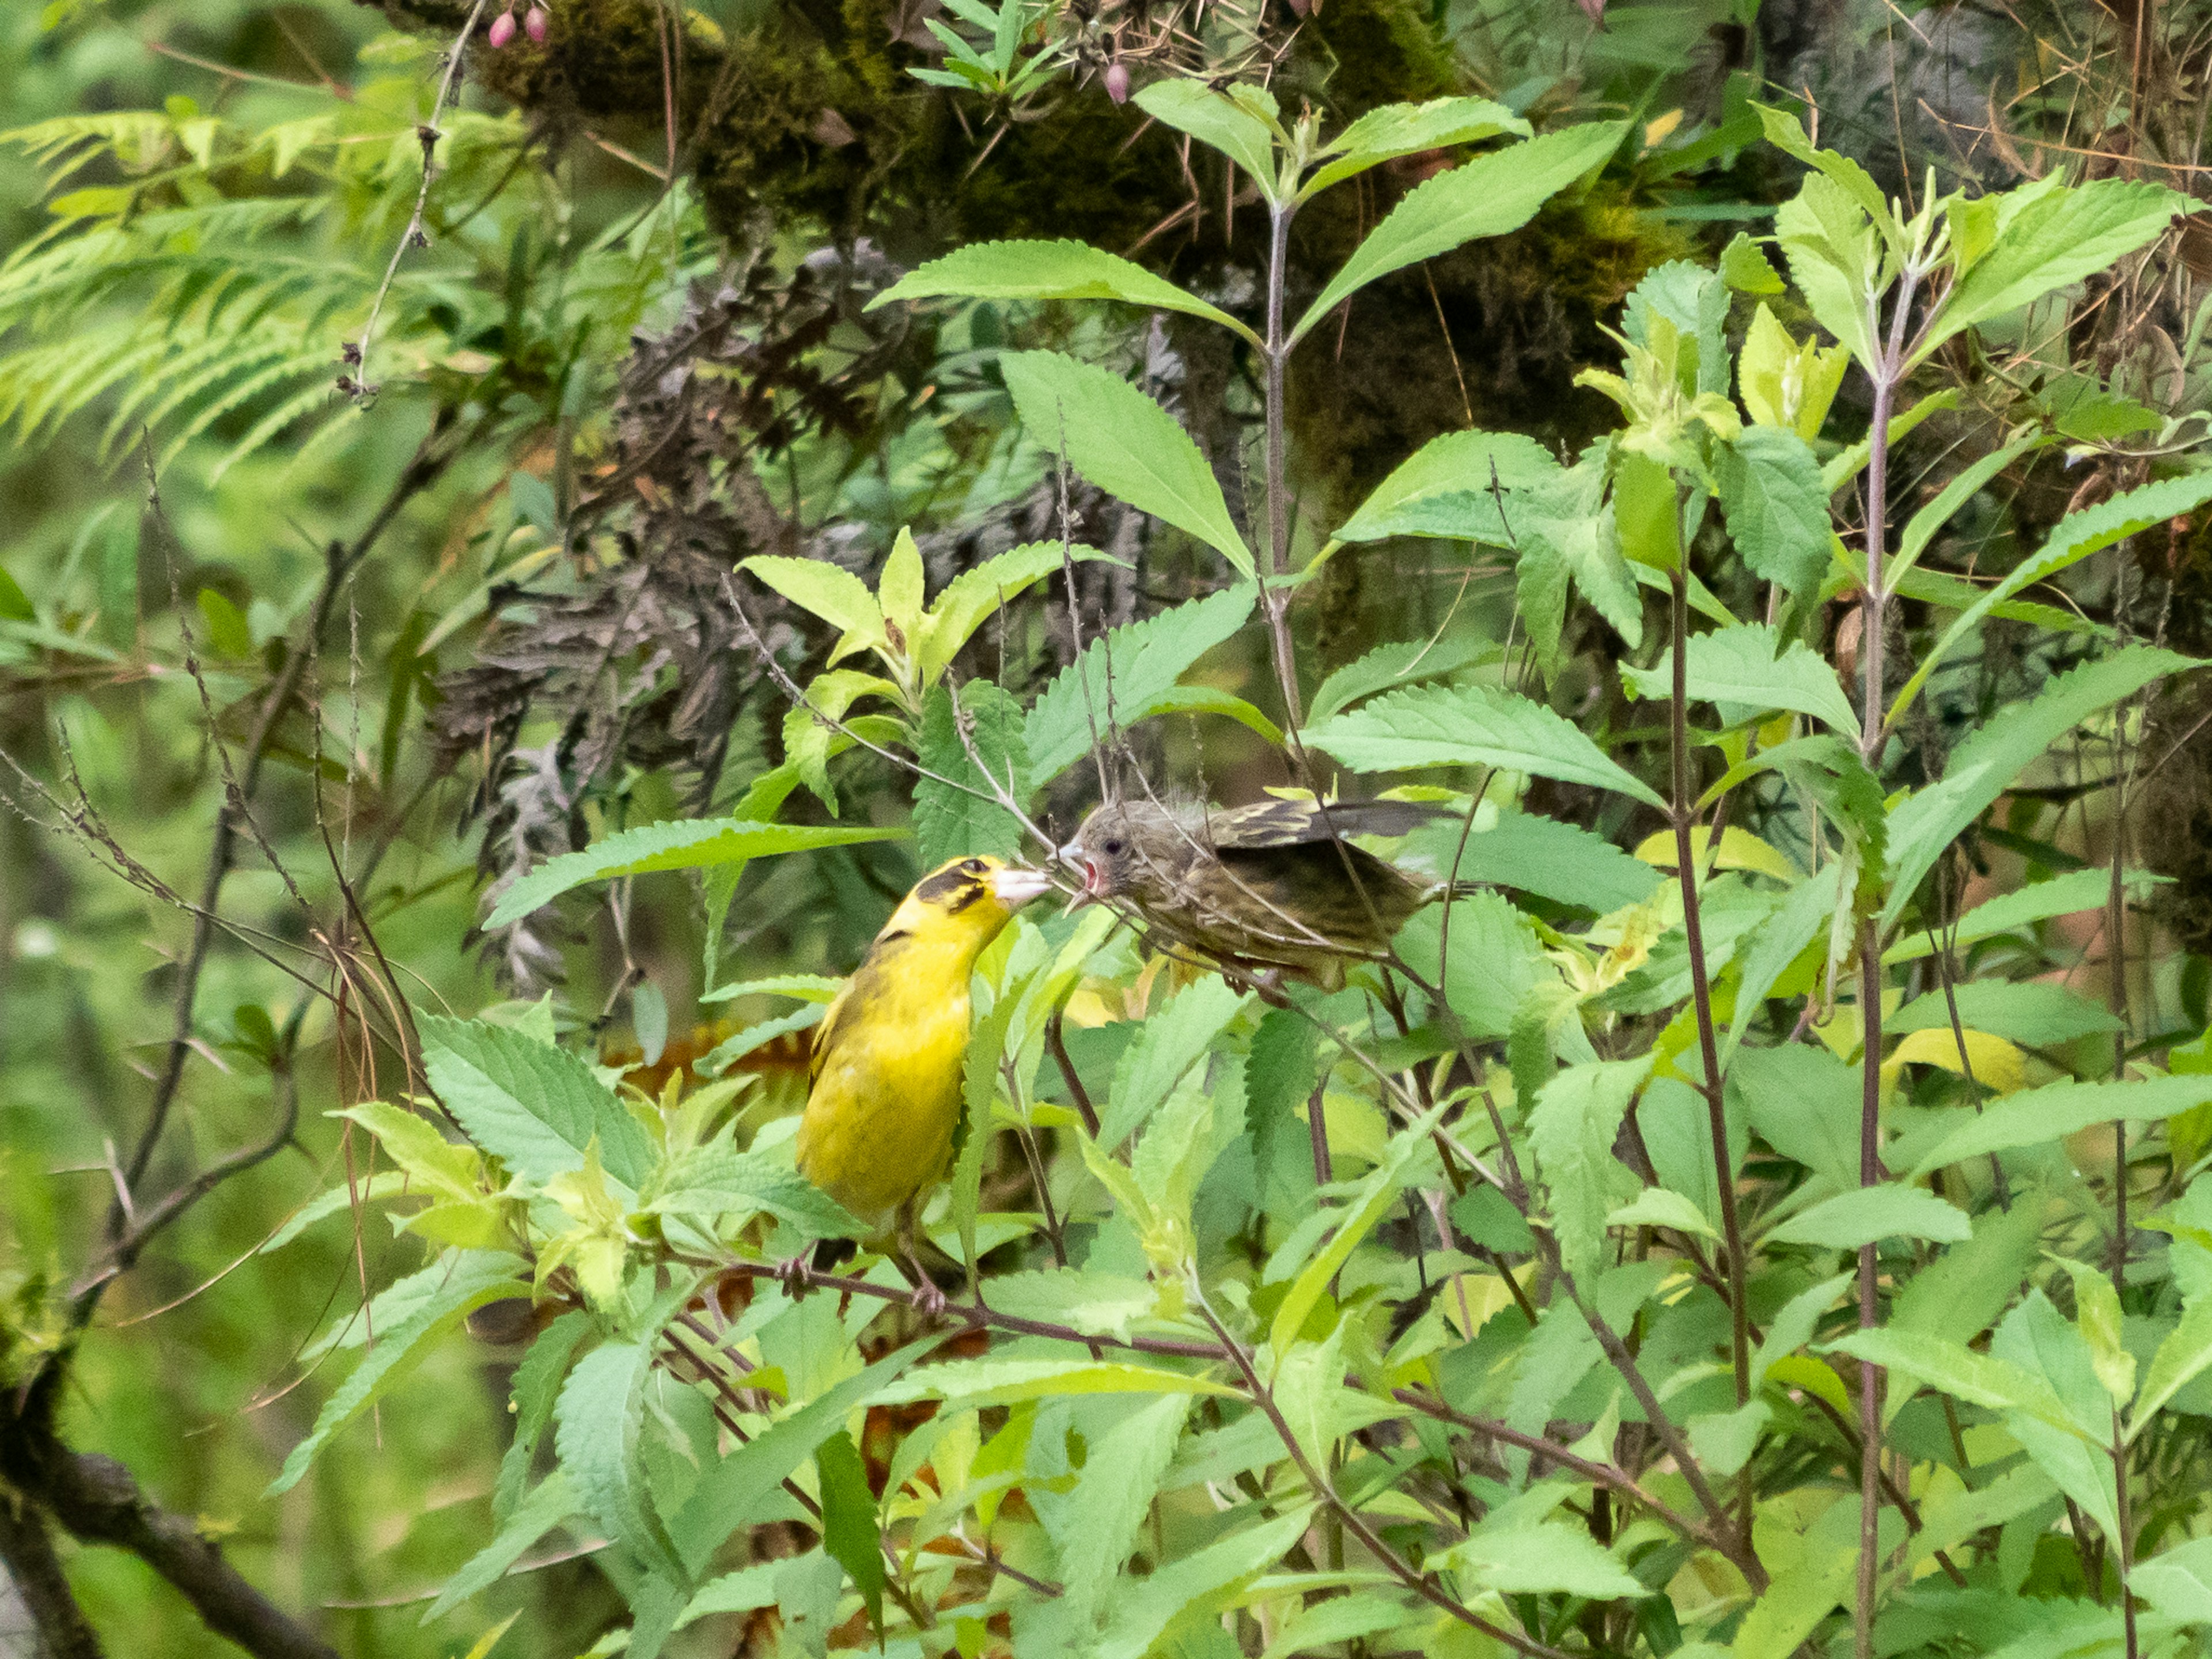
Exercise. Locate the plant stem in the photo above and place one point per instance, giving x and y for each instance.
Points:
(2123, 1543)
(1886, 374)
(1275, 600)
(1678, 726)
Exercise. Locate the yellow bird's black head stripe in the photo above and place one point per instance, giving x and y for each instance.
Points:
(957, 886)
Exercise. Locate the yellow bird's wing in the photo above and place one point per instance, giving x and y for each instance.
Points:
(828, 1031)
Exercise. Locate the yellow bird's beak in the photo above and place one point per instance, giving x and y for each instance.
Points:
(1014, 888)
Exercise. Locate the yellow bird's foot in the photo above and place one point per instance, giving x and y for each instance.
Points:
(928, 1300)
(796, 1274)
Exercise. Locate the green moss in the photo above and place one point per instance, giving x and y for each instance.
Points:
(1353, 55)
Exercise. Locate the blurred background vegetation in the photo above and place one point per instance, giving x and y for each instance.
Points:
(587, 393)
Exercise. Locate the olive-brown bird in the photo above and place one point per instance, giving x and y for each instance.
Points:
(886, 1065)
(1274, 886)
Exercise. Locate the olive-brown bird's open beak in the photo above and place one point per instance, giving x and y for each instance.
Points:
(1072, 856)
(1014, 888)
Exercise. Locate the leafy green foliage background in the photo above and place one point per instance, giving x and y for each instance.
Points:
(190, 247)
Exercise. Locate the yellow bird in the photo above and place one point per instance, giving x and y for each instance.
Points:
(886, 1065)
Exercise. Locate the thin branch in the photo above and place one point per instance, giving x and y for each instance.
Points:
(360, 387)
(1422, 1584)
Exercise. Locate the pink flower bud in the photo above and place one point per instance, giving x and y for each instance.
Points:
(1117, 82)
(502, 30)
(533, 24)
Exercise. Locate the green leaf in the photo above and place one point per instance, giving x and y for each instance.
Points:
(1696, 301)
(1546, 1558)
(1195, 1583)
(1459, 476)
(852, 1534)
(2097, 1317)
(1191, 106)
(1497, 191)
(1369, 1201)
(806, 988)
(1775, 506)
(1532, 854)
(2077, 537)
(732, 1491)
(1168, 1045)
(1793, 1327)
(1279, 1075)
(1213, 700)
(980, 1382)
(731, 1049)
(979, 1085)
(1923, 525)
(1866, 1215)
(970, 599)
(1952, 1368)
(1105, 1517)
(1124, 443)
(534, 1107)
(1396, 130)
(1747, 270)
(1568, 529)
(1833, 258)
(1090, 1300)
(384, 1184)
(227, 629)
(553, 1502)
(1960, 1293)
(678, 844)
(464, 1281)
(2183, 1355)
(1494, 960)
(2178, 1582)
(716, 1184)
(1661, 1206)
(949, 819)
(1472, 725)
(1724, 1441)
(2053, 239)
(1779, 940)
(1985, 765)
(536, 1385)
(1388, 665)
(2072, 1447)
(2061, 896)
(2033, 1012)
(1738, 666)
(1124, 678)
(1049, 270)
(2036, 1116)
(1571, 1131)
(735, 1592)
(596, 1428)
(1857, 185)
(836, 595)
(1804, 1103)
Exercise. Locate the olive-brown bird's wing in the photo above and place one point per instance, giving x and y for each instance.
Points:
(1301, 823)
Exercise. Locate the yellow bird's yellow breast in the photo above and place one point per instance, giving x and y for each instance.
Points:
(886, 1100)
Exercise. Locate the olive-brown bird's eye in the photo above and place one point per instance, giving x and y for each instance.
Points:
(1112, 845)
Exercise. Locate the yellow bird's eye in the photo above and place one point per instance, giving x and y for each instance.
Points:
(971, 867)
